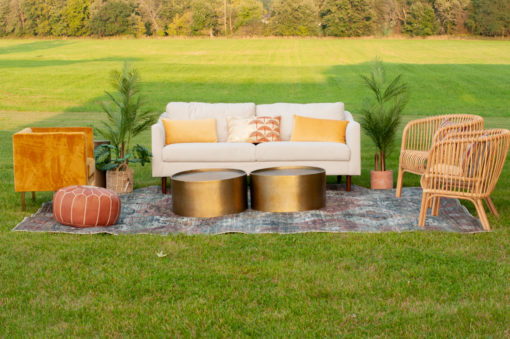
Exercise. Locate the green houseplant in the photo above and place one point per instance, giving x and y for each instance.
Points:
(126, 118)
(381, 117)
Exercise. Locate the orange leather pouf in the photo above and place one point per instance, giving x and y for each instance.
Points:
(86, 206)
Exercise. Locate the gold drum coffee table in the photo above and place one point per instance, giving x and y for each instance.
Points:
(209, 193)
(288, 189)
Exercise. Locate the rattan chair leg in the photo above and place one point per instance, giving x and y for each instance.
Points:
(400, 182)
(492, 207)
(423, 210)
(481, 214)
(435, 206)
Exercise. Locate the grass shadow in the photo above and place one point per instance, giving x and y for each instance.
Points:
(33, 46)
(435, 88)
(24, 63)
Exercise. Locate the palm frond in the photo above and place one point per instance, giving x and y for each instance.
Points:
(125, 115)
(381, 113)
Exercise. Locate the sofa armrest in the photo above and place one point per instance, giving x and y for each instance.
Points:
(353, 140)
(158, 142)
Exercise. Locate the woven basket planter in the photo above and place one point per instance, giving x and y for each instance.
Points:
(120, 180)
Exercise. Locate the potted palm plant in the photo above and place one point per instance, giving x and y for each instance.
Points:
(126, 118)
(381, 118)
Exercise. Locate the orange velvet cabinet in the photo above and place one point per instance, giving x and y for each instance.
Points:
(47, 159)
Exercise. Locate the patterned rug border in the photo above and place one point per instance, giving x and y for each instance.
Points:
(356, 189)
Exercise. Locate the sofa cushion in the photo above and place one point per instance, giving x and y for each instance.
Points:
(311, 129)
(254, 130)
(184, 131)
(302, 151)
(209, 152)
(201, 110)
(334, 111)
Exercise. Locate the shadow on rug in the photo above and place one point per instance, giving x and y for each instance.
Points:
(147, 211)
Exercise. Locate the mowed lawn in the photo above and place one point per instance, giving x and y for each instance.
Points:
(391, 285)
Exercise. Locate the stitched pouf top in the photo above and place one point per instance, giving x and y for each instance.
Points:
(86, 206)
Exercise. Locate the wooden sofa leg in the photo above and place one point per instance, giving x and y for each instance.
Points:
(348, 183)
(22, 201)
(163, 185)
(338, 179)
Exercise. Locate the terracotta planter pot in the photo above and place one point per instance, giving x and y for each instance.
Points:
(381, 180)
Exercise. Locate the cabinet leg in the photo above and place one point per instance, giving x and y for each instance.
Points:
(33, 196)
(22, 201)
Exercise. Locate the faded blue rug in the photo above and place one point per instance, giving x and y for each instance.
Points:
(147, 211)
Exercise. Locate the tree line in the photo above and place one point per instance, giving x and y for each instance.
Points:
(339, 18)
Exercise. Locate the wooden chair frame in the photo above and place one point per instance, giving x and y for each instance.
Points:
(465, 165)
(420, 135)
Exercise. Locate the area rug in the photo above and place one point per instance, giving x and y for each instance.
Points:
(147, 211)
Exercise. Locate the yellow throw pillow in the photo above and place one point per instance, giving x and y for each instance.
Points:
(181, 131)
(311, 129)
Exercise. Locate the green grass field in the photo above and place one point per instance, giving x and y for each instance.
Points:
(419, 284)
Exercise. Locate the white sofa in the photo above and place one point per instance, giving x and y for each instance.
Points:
(336, 158)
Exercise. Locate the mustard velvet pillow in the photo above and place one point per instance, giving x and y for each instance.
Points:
(311, 129)
(181, 131)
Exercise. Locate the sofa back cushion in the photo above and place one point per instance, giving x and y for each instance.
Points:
(325, 130)
(333, 111)
(186, 131)
(201, 110)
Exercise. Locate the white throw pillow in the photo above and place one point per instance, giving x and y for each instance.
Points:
(239, 130)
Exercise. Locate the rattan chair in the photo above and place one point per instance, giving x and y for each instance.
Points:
(465, 165)
(419, 136)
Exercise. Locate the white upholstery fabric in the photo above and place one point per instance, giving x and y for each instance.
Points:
(177, 111)
(209, 152)
(201, 110)
(301, 151)
(334, 111)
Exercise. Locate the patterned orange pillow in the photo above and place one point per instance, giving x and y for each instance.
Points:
(266, 129)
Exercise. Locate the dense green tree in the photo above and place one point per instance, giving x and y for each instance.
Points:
(113, 18)
(420, 20)
(204, 17)
(249, 14)
(43, 17)
(489, 18)
(180, 25)
(77, 15)
(294, 18)
(346, 17)
(253, 17)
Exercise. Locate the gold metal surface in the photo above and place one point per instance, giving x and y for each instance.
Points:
(209, 193)
(288, 189)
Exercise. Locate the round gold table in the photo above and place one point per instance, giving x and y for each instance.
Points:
(288, 189)
(209, 193)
